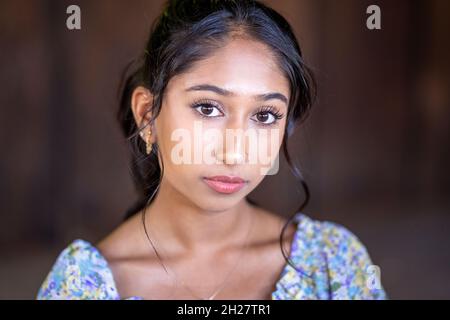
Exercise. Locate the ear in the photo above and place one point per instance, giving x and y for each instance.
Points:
(141, 103)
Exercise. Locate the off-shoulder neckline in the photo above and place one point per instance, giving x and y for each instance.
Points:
(299, 218)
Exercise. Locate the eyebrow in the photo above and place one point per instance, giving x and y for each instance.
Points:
(226, 93)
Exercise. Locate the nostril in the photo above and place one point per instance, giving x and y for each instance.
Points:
(230, 158)
(234, 158)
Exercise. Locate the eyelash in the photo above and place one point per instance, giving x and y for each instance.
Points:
(206, 102)
(273, 111)
(264, 109)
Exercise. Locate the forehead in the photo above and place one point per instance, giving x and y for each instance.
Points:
(244, 67)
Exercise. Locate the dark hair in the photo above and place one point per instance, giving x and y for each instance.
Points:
(186, 32)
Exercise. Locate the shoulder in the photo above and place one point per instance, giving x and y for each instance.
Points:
(79, 272)
(124, 242)
(337, 259)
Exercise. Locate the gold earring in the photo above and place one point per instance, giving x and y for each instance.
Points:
(149, 145)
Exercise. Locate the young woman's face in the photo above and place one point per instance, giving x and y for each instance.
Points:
(225, 117)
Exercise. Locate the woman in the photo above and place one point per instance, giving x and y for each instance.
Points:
(214, 70)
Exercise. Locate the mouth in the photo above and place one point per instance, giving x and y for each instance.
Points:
(225, 184)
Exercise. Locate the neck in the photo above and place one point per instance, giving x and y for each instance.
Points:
(183, 226)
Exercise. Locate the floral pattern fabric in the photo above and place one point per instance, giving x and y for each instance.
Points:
(330, 263)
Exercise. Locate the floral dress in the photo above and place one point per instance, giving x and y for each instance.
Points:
(330, 263)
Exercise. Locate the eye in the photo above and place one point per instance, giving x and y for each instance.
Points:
(207, 109)
(267, 115)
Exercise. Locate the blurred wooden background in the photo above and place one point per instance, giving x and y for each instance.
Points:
(375, 151)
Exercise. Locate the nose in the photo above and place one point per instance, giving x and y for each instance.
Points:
(234, 149)
(231, 156)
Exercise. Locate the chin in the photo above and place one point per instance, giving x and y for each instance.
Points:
(215, 204)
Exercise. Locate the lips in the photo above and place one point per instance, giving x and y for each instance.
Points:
(225, 184)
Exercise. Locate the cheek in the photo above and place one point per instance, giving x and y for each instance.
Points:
(264, 145)
(173, 125)
(176, 140)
